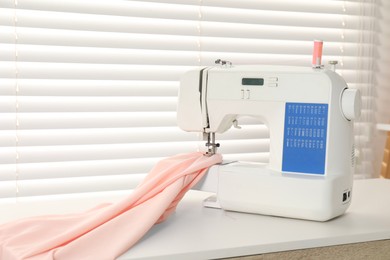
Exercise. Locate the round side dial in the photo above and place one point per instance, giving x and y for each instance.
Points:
(351, 103)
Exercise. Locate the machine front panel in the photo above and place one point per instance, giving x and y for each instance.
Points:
(304, 143)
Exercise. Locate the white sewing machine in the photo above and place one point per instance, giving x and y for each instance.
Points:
(308, 112)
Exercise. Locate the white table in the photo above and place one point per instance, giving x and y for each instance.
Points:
(201, 233)
(383, 127)
(194, 232)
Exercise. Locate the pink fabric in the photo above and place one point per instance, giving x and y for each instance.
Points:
(108, 230)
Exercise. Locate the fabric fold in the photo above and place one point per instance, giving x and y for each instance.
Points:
(108, 230)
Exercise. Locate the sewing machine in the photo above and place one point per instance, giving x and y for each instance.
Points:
(308, 112)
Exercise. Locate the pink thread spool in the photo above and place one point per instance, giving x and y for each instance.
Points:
(317, 54)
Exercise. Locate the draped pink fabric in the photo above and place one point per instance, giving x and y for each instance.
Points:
(109, 230)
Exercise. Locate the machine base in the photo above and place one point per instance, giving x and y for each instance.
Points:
(253, 188)
(212, 202)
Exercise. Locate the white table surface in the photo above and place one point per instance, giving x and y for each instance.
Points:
(194, 232)
(383, 127)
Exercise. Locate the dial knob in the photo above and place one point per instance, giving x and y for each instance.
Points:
(351, 103)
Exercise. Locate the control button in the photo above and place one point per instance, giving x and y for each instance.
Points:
(272, 84)
(248, 94)
(273, 79)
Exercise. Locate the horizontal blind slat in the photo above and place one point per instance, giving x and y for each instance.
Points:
(122, 7)
(63, 37)
(49, 120)
(219, 29)
(110, 7)
(7, 189)
(53, 137)
(334, 7)
(107, 88)
(278, 17)
(79, 184)
(61, 54)
(37, 70)
(36, 154)
(89, 22)
(56, 104)
(70, 169)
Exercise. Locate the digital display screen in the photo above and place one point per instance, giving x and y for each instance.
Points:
(252, 81)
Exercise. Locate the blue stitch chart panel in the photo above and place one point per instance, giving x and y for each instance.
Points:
(304, 144)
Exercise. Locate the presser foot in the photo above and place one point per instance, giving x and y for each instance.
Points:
(212, 202)
(211, 145)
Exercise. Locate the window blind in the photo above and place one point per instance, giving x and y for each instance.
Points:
(381, 90)
(89, 88)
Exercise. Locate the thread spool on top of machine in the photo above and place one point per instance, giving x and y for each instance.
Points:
(317, 53)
